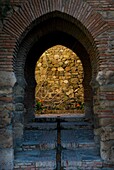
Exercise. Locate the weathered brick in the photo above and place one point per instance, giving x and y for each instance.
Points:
(90, 22)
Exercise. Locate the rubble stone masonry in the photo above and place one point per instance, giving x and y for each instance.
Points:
(59, 76)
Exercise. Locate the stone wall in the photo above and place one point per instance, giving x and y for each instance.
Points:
(59, 76)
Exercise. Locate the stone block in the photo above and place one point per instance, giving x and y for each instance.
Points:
(106, 121)
(19, 107)
(5, 91)
(106, 104)
(18, 134)
(105, 155)
(105, 77)
(97, 131)
(110, 14)
(18, 90)
(5, 118)
(18, 117)
(18, 130)
(106, 145)
(97, 140)
(6, 138)
(6, 159)
(112, 154)
(112, 135)
(107, 150)
(107, 133)
(7, 78)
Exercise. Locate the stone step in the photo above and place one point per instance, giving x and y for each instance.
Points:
(63, 125)
(39, 139)
(38, 146)
(76, 125)
(47, 139)
(77, 138)
(65, 145)
(41, 126)
(62, 118)
(41, 160)
(81, 159)
(78, 150)
(74, 145)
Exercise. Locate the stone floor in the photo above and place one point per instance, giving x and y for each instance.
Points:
(77, 150)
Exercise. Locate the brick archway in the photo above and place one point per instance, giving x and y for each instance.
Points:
(30, 28)
(49, 40)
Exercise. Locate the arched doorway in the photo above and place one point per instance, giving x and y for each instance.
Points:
(73, 44)
(48, 27)
(35, 43)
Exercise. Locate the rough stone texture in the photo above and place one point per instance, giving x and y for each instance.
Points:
(18, 134)
(59, 76)
(7, 78)
(18, 119)
(7, 81)
(5, 118)
(6, 157)
(105, 77)
(6, 138)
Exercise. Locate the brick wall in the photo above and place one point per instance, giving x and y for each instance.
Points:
(87, 28)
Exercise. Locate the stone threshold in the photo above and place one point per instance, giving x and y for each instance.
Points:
(73, 111)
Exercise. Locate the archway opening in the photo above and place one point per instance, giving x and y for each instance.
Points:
(52, 39)
(37, 42)
(59, 76)
(75, 36)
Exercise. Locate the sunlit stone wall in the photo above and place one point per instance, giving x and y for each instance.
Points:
(59, 76)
